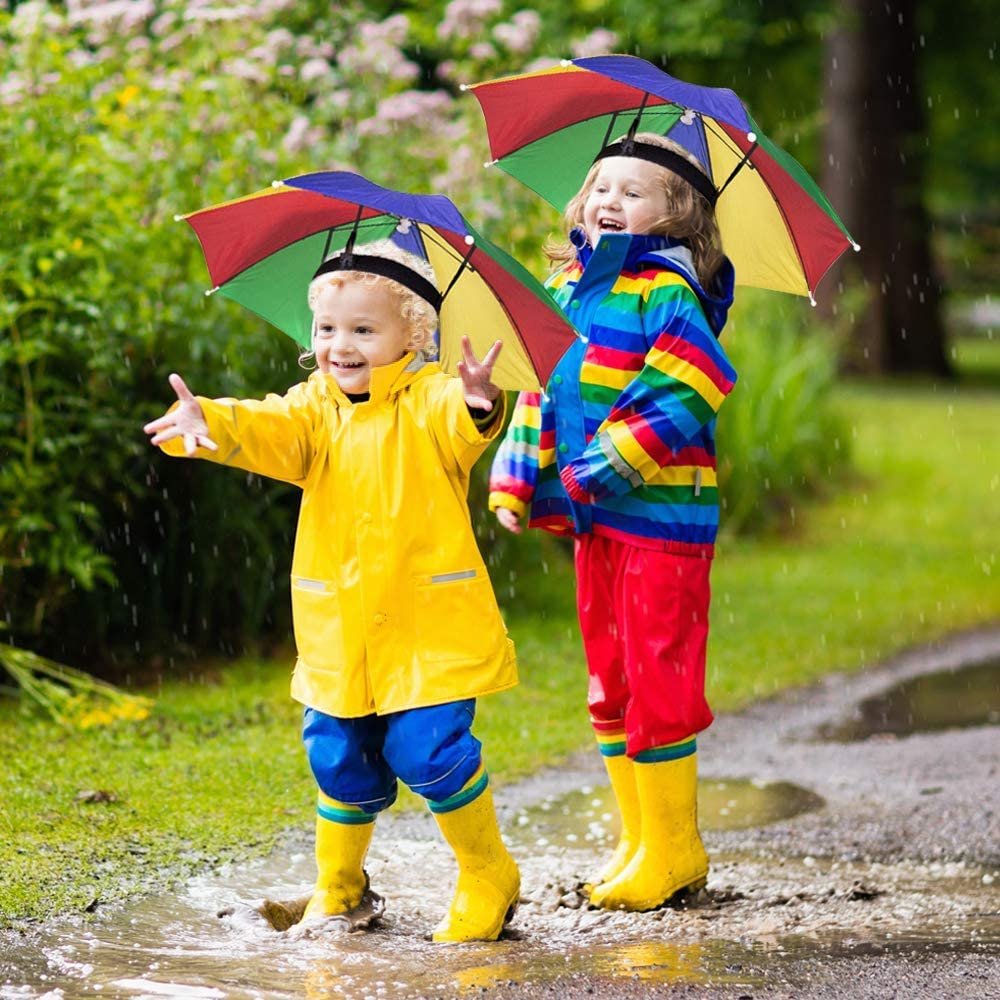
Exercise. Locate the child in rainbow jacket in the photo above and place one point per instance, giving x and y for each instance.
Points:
(619, 453)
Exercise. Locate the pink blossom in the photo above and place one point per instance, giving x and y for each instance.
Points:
(214, 14)
(520, 34)
(300, 136)
(466, 18)
(482, 51)
(393, 30)
(11, 89)
(411, 107)
(280, 38)
(598, 43)
(404, 70)
(314, 69)
(123, 15)
(245, 69)
(162, 24)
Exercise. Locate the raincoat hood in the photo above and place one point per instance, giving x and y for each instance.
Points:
(671, 255)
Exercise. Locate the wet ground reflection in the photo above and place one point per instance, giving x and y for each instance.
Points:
(947, 699)
(589, 816)
(760, 920)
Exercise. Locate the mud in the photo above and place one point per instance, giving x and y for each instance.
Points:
(865, 869)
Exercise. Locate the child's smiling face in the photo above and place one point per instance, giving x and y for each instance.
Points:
(358, 327)
(628, 196)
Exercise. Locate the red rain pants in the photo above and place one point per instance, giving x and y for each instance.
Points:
(644, 620)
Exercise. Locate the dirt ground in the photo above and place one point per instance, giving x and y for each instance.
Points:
(863, 869)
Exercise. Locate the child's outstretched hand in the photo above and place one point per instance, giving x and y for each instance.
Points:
(476, 376)
(186, 420)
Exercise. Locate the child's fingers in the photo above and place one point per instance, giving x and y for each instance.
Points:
(166, 435)
(190, 443)
(478, 402)
(509, 520)
(178, 385)
(167, 420)
(491, 355)
(206, 442)
(470, 358)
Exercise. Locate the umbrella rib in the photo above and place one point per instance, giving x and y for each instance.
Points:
(443, 245)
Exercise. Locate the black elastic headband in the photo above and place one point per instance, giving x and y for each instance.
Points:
(667, 158)
(386, 268)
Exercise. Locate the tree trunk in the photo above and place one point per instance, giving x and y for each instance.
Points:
(874, 171)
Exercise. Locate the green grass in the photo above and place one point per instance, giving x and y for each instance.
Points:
(902, 554)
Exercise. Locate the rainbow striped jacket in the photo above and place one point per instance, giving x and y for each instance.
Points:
(622, 441)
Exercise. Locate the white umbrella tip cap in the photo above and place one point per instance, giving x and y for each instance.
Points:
(751, 136)
(856, 246)
(469, 240)
(178, 218)
(463, 86)
(565, 62)
(276, 184)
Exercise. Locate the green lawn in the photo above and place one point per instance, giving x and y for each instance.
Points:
(903, 553)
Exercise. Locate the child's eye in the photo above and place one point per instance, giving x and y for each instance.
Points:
(324, 330)
(364, 331)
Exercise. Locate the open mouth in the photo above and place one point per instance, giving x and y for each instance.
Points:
(348, 365)
(610, 226)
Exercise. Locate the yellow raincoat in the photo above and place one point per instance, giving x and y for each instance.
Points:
(392, 605)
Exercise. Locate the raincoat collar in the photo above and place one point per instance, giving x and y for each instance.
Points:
(386, 380)
(673, 255)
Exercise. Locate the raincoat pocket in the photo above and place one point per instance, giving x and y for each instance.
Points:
(316, 615)
(457, 617)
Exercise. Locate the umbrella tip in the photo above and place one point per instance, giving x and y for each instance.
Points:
(469, 240)
(565, 62)
(751, 136)
(812, 301)
(855, 246)
(491, 163)
(276, 184)
(211, 291)
(178, 218)
(463, 87)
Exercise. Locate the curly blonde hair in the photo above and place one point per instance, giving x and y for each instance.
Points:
(688, 218)
(417, 313)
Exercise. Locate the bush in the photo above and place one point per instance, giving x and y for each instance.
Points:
(779, 437)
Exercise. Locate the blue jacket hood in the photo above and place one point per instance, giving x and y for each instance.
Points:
(672, 255)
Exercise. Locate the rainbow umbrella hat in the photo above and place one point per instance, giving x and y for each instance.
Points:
(546, 128)
(263, 250)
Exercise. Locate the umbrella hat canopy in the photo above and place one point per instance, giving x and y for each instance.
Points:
(546, 128)
(263, 250)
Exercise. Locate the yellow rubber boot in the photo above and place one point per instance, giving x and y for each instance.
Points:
(343, 833)
(489, 884)
(621, 773)
(671, 856)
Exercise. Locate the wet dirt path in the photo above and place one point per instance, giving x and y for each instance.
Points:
(858, 869)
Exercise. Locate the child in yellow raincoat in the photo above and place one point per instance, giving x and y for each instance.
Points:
(396, 625)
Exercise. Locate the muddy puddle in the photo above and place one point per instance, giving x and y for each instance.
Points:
(761, 920)
(590, 817)
(947, 699)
